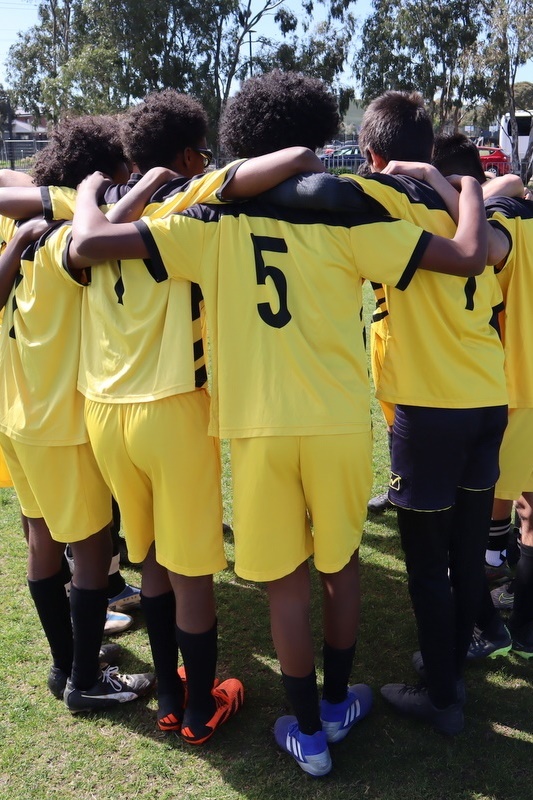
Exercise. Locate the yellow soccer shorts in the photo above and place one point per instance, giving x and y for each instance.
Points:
(516, 456)
(378, 346)
(63, 485)
(5, 477)
(281, 484)
(164, 471)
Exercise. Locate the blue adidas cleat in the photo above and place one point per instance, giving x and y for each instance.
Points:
(310, 752)
(339, 718)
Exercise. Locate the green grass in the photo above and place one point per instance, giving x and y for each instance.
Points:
(45, 753)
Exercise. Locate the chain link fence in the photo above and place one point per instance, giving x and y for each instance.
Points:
(18, 153)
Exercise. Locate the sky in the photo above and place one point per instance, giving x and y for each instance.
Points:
(19, 15)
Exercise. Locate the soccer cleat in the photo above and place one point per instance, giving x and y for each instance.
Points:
(486, 645)
(523, 641)
(497, 574)
(339, 718)
(57, 679)
(418, 665)
(110, 689)
(413, 701)
(129, 598)
(310, 752)
(379, 503)
(115, 622)
(169, 722)
(503, 596)
(229, 697)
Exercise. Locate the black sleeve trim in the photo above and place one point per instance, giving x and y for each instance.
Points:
(81, 276)
(414, 261)
(48, 212)
(219, 194)
(154, 264)
(496, 224)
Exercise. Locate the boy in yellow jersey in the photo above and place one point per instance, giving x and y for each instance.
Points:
(443, 370)
(455, 154)
(283, 299)
(143, 373)
(442, 373)
(513, 218)
(45, 441)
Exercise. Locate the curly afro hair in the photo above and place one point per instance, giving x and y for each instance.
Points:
(77, 147)
(161, 126)
(277, 110)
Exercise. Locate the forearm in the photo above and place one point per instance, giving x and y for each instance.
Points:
(10, 262)
(11, 177)
(94, 237)
(466, 254)
(472, 228)
(131, 206)
(20, 202)
(257, 175)
(507, 185)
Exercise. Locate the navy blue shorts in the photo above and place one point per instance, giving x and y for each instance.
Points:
(436, 451)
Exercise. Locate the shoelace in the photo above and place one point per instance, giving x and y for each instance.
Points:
(111, 675)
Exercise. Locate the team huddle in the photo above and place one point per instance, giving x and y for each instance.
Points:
(133, 256)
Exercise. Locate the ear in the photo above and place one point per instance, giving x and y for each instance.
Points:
(377, 162)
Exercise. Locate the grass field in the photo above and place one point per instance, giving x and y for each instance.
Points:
(45, 753)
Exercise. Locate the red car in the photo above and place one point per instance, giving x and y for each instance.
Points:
(494, 160)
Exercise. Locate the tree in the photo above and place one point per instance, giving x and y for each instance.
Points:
(96, 56)
(431, 47)
(509, 48)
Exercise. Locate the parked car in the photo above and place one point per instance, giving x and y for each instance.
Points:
(494, 160)
(347, 156)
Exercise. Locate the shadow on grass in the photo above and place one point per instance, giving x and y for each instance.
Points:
(385, 757)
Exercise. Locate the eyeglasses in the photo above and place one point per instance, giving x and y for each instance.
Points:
(206, 154)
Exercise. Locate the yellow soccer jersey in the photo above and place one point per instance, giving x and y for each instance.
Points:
(59, 201)
(142, 334)
(39, 350)
(443, 348)
(515, 217)
(284, 306)
(7, 230)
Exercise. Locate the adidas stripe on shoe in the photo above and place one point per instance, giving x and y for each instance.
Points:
(229, 697)
(339, 718)
(310, 752)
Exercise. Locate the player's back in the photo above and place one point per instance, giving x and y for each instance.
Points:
(443, 347)
(39, 349)
(283, 298)
(515, 216)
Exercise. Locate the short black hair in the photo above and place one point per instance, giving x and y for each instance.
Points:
(161, 126)
(277, 110)
(455, 154)
(77, 147)
(397, 126)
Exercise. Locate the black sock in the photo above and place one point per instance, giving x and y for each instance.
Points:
(523, 589)
(199, 652)
(117, 584)
(53, 607)
(88, 608)
(488, 618)
(160, 617)
(337, 668)
(303, 697)
(513, 545)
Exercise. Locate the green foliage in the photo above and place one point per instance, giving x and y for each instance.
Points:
(432, 48)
